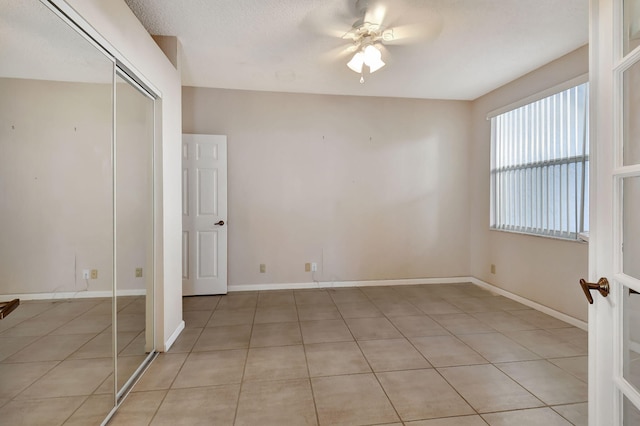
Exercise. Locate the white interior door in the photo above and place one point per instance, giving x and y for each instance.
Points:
(204, 214)
(614, 251)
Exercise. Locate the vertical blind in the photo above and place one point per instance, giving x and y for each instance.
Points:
(540, 166)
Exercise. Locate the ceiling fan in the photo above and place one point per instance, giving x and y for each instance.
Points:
(378, 25)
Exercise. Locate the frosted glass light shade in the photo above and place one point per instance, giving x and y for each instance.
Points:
(373, 58)
(356, 62)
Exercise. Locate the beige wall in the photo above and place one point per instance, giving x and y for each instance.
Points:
(370, 188)
(56, 170)
(543, 270)
(55, 174)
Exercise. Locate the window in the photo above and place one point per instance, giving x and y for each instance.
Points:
(540, 166)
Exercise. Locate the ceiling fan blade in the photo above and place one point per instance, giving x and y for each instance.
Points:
(412, 33)
(376, 13)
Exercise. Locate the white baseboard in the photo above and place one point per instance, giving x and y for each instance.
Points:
(412, 281)
(73, 295)
(340, 284)
(172, 339)
(538, 307)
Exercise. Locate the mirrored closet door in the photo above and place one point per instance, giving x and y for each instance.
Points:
(76, 220)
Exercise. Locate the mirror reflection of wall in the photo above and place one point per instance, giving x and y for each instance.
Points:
(57, 191)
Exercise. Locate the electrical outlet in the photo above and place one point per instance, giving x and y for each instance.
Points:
(314, 267)
(307, 267)
(94, 274)
(85, 274)
(493, 268)
(263, 268)
(138, 272)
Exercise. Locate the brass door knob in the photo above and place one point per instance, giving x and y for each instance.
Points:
(602, 286)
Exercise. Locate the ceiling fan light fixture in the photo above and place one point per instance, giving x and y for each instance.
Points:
(373, 58)
(356, 63)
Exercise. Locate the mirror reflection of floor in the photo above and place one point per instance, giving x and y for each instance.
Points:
(56, 358)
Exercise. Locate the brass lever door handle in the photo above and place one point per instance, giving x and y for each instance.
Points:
(602, 286)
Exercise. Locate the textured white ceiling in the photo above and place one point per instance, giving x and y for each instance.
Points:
(466, 49)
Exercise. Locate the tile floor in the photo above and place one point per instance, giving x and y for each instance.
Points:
(56, 364)
(428, 355)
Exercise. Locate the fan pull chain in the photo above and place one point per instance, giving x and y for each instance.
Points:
(362, 78)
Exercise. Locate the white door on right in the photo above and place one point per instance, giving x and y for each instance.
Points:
(204, 214)
(614, 251)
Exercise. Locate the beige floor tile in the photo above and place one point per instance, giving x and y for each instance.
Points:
(11, 345)
(41, 412)
(331, 359)
(577, 414)
(70, 378)
(85, 324)
(436, 307)
(381, 293)
(446, 351)
(398, 308)
(549, 383)
(578, 366)
(392, 355)
(473, 304)
(196, 319)
(127, 365)
(496, 347)
(363, 309)
(135, 347)
(504, 321)
(573, 335)
(238, 301)
(540, 319)
(186, 341)
(422, 394)
(271, 298)
(352, 400)
(4, 401)
(545, 344)
(101, 346)
(38, 326)
(17, 377)
(347, 295)
(92, 411)
(532, 417)
(162, 372)
(279, 313)
(51, 348)
(71, 308)
(198, 406)
(200, 303)
(276, 403)
(372, 328)
(276, 298)
(138, 409)
(276, 334)
(312, 297)
(325, 331)
(488, 389)
(225, 337)
(232, 317)
(417, 326)
(276, 363)
(450, 421)
(211, 368)
(462, 324)
(130, 322)
(318, 312)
